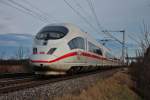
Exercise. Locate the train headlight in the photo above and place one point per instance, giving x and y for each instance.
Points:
(51, 51)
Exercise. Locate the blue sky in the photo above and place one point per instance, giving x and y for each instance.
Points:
(11, 43)
(112, 15)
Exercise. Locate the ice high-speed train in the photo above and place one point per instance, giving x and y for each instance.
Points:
(64, 48)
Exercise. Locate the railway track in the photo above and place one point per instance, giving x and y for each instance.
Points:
(14, 75)
(7, 86)
(10, 81)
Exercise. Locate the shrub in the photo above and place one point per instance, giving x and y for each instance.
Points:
(140, 72)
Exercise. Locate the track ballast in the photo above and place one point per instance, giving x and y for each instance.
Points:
(15, 84)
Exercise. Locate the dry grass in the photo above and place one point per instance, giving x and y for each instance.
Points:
(114, 88)
(140, 72)
(14, 69)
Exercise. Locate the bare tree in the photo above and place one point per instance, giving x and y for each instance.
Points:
(2, 55)
(144, 39)
(140, 71)
(20, 53)
(27, 53)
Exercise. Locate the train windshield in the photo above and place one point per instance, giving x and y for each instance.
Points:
(52, 32)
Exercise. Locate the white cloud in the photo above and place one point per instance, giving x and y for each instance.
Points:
(113, 15)
(8, 43)
(22, 37)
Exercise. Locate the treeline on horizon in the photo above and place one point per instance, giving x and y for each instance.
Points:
(15, 62)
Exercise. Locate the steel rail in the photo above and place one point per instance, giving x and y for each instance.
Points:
(10, 81)
(38, 82)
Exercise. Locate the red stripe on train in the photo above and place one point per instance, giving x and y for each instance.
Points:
(92, 56)
(57, 59)
(70, 55)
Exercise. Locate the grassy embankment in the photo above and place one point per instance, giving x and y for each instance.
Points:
(113, 88)
(15, 66)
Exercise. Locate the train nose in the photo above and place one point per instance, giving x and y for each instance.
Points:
(41, 59)
(43, 50)
(42, 55)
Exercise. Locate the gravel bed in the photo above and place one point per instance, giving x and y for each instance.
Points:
(51, 90)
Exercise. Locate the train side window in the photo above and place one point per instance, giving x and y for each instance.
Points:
(93, 48)
(98, 51)
(52, 33)
(77, 43)
(108, 55)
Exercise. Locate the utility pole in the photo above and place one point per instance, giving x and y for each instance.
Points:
(123, 47)
(122, 43)
(127, 60)
(105, 40)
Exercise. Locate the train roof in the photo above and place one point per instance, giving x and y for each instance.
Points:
(75, 30)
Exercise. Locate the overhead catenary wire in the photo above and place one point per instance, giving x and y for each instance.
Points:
(84, 18)
(80, 15)
(112, 44)
(37, 15)
(81, 8)
(27, 9)
(21, 10)
(138, 43)
(46, 15)
(135, 40)
(98, 23)
(91, 5)
(20, 6)
(84, 12)
(31, 5)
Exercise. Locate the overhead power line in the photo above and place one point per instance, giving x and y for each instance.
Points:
(81, 8)
(91, 5)
(131, 37)
(84, 18)
(46, 15)
(27, 9)
(80, 15)
(21, 10)
(24, 9)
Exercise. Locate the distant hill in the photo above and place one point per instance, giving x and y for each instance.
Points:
(11, 42)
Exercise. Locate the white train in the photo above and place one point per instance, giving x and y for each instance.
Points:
(64, 48)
